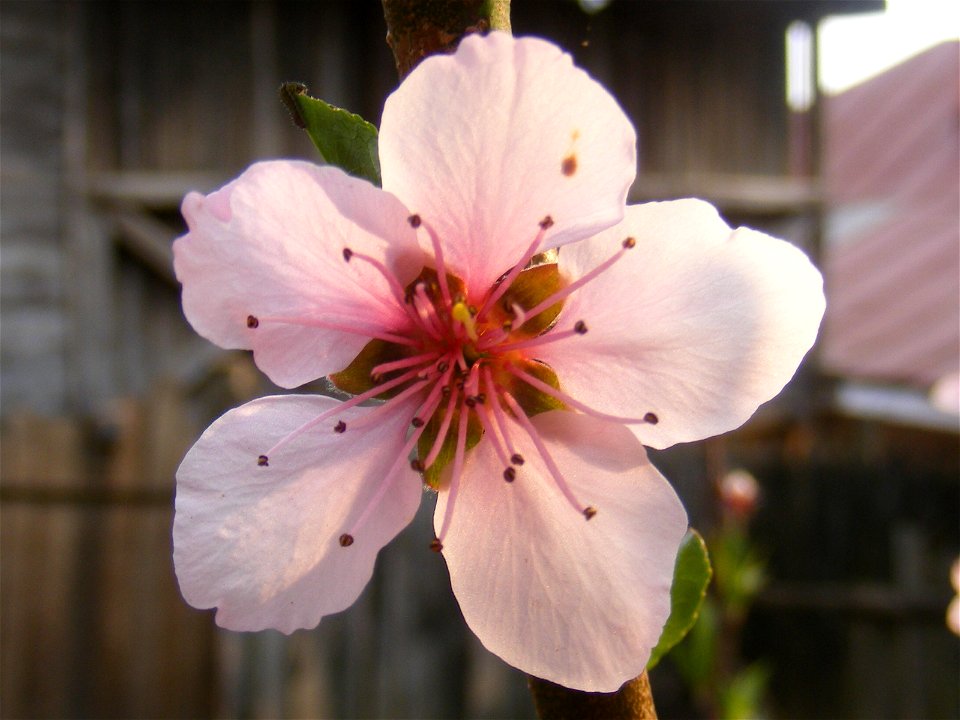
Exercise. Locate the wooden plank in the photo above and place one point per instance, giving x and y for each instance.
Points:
(39, 573)
(147, 239)
(158, 190)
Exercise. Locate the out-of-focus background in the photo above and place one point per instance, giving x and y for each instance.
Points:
(833, 513)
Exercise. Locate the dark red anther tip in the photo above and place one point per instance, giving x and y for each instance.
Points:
(340, 427)
(347, 254)
(263, 461)
(580, 328)
(346, 540)
(509, 474)
(589, 512)
(417, 422)
(417, 465)
(546, 223)
(629, 243)
(517, 459)
(414, 221)
(436, 545)
(253, 322)
(651, 418)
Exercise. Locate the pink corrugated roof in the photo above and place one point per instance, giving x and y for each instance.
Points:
(892, 250)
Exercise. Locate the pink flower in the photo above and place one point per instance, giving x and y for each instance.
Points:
(524, 386)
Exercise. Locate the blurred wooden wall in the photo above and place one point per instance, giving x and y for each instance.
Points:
(112, 110)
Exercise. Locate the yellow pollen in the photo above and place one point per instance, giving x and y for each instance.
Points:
(461, 313)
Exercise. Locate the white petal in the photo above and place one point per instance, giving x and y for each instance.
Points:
(577, 602)
(697, 324)
(261, 543)
(476, 144)
(270, 244)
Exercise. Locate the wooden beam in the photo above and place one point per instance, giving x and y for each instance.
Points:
(759, 194)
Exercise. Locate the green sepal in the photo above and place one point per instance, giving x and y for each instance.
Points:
(533, 401)
(532, 286)
(356, 378)
(343, 139)
(432, 475)
(691, 576)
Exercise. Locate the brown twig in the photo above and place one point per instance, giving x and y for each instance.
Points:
(418, 28)
(633, 701)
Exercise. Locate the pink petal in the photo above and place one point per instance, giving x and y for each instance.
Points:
(697, 323)
(577, 602)
(476, 142)
(270, 244)
(261, 543)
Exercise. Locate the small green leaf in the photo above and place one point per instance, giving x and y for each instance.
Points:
(691, 576)
(343, 139)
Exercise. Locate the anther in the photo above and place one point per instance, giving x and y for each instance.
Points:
(470, 401)
(346, 540)
(589, 512)
(417, 422)
(263, 461)
(436, 545)
(546, 223)
(651, 418)
(414, 221)
(445, 391)
(347, 254)
(580, 328)
(340, 427)
(517, 459)
(509, 474)
(415, 464)
(629, 243)
(481, 398)
(253, 322)
(443, 366)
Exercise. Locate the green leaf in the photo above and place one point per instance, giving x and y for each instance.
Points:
(691, 576)
(343, 139)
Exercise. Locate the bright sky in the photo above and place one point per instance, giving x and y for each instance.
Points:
(855, 47)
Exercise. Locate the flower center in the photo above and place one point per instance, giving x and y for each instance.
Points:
(471, 366)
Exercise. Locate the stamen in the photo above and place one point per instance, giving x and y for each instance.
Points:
(497, 411)
(349, 329)
(399, 294)
(340, 427)
(510, 474)
(455, 477)
(263, 461)
(426, 312)
(388, 367)
(388, 479)
(374, 413)
(581, 281)
(443, 429)
(545, 339)
(438, 257)
(543, 387)
(483, 414)
(508, 279)
(252, 322)
(517, 459)
(558, 479)
(346, 540)
(346, 405)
